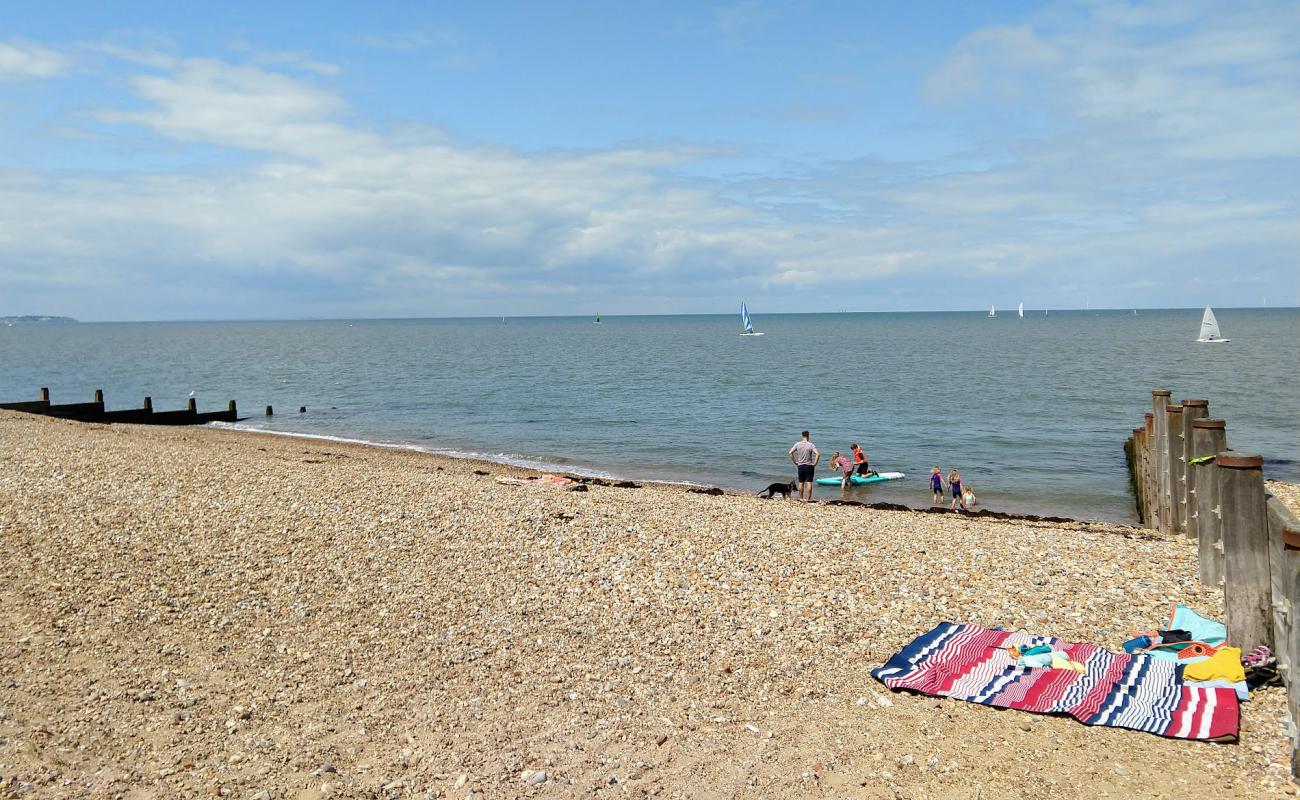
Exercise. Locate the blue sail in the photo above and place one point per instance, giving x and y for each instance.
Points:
(744, 319)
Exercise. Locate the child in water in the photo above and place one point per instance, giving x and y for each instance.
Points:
(845, 465)
(954, 485)
(968, 497)
(936, 486)
(860, 461)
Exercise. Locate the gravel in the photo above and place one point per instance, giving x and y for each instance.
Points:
(199, 612)
(1288, 493)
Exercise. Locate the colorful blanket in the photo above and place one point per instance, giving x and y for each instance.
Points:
(1117, 690)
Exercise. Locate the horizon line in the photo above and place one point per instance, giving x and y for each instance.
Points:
(621, 316)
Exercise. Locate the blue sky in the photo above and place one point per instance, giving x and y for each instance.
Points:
(287, 160)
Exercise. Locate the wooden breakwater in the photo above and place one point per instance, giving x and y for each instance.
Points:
(1187, 480)
(94, 411)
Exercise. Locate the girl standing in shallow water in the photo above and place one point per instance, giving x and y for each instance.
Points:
(954, 485)
(936, 486)
(845, 465)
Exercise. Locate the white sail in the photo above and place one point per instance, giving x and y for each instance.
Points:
(1210, 328)
(1021, 310)
(993, 312)
(747, 326)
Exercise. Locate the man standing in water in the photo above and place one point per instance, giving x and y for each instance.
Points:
(805, 456)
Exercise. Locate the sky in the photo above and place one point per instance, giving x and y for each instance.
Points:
(294, 160)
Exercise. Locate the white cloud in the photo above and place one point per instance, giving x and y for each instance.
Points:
(331, 202)
(1217, 84)
(1161, 156)
(449, 47)
(992, 63)
(22, 60)
(737, 21)
(204, 100)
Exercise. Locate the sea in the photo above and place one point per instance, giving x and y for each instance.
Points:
(1033, 411)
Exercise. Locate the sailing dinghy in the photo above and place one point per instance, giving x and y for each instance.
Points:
(993, 312)
(1210, 328)
(748, 327)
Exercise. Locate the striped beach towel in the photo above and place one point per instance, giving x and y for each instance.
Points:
(1118, 690)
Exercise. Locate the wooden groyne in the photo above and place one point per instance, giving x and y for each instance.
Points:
(1187, 480)
(94, 411)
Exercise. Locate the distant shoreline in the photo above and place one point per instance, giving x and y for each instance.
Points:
(36, 319)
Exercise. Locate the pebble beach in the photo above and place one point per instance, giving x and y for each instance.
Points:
(196, 612)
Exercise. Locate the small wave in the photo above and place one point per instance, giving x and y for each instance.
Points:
(324, 437)
(507, 459)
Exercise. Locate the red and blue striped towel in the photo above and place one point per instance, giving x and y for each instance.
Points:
(968, 662)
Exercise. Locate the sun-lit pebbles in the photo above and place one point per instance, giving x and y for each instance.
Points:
(206, 613)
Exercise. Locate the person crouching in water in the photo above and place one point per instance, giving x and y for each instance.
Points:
(954, 486)
(860, 462)
(845, 465)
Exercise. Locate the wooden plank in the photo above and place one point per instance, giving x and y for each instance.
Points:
(1247, 578)
(1282, 566)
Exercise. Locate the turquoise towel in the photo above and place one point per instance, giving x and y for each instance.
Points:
(1201, 629)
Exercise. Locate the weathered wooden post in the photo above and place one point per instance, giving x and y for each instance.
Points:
(45, 394)
(1192, 410)
(1139, 471)
(268, 411)
(1159, 400)
(1209, 438)
(1247, 577)
(1173, 456)
(231, 408)
(1131, 457)
(1135, 474)
(1148, 462)
(99, 395)
(148, 404)
(1293, 680)
(1284, 561)
(1290, 585)
(192, 405)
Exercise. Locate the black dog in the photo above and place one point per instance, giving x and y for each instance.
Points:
(783, 489)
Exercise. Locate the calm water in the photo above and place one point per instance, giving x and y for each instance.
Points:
(1033, 411)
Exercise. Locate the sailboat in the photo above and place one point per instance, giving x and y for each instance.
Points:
(1210, 328)
(744, 321)
(597, 322)
(993, 312)
(1021, 310)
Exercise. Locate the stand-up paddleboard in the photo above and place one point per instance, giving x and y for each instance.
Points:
(858, 480)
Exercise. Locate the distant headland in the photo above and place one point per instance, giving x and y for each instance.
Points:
(34, 319)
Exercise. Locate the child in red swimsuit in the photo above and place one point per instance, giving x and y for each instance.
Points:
(860, 460)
